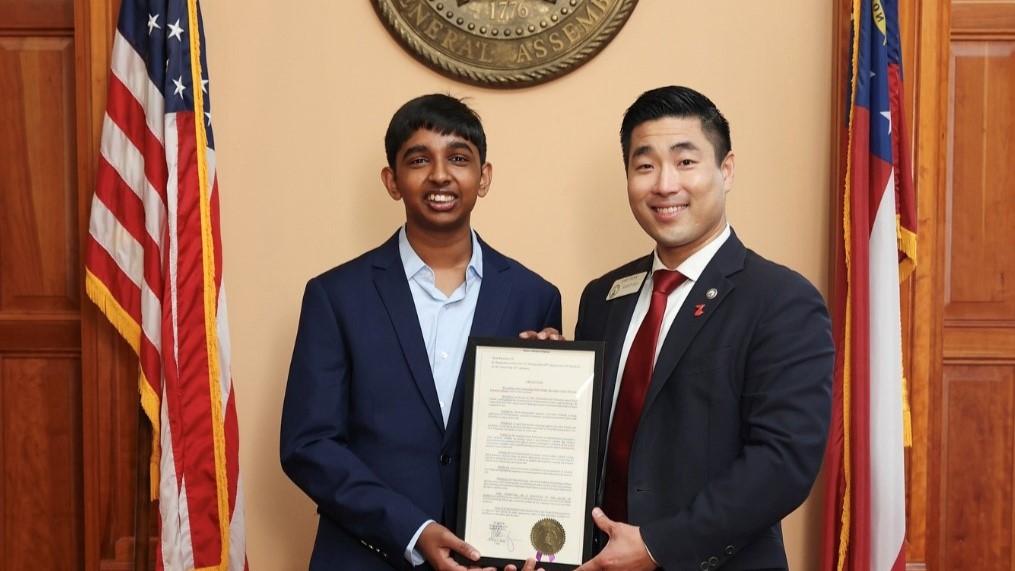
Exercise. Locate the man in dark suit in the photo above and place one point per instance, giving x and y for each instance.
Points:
(371, 424)
(718, 363)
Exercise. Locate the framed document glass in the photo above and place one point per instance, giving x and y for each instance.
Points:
(529, 449)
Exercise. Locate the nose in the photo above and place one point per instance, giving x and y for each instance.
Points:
(439, 173)
(668, 181)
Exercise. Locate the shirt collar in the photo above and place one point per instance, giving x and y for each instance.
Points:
(695, 264)
(412, 263)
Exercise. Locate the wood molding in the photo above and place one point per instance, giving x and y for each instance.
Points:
(929, 85)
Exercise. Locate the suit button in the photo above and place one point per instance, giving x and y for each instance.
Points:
(703, 566)
(729, 550)
(713, 562)
(445, 459)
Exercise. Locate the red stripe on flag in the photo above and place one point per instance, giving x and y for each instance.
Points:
(216, 234)
(109, 273)
(129, 211)
(232, 434)
(129, 115)
(198, 440)
(862, 220)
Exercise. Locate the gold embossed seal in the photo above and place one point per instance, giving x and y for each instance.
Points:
(504, 43)
(547, 536)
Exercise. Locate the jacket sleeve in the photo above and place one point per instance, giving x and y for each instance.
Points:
(553, 311)
(784, 408)
(315, 437)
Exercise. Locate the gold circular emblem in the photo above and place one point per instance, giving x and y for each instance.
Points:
(547, 536)
(504, 43)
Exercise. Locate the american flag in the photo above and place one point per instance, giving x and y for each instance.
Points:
(865, 509)
(153, 265)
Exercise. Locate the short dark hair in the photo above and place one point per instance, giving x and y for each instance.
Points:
(677, 101)
(436, 112)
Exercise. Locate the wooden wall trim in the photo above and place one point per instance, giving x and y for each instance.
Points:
(930, 85)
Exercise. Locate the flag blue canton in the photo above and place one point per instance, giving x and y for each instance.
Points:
(157, 30)
(872, 78)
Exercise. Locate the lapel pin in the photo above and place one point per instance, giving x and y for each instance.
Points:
(710, 294)
(699, 310)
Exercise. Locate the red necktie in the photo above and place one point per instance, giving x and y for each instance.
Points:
(633, 387)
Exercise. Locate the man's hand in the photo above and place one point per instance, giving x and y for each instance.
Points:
(547, 333)
(624, 551)
(436, 543)
(530, 565)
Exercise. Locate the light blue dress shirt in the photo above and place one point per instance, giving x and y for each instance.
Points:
(445, 321)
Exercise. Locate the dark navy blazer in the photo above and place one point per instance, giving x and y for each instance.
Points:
(362, 431)
(733, 428)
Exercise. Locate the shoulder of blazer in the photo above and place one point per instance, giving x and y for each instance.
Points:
(494, 261)
(642, 264)
(348, 273)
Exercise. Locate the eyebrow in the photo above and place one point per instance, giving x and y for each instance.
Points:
(455, 145)
(639, 151)
(684, 146)
(414, 149)
(460, 145)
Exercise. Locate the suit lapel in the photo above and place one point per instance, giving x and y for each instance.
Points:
(686, 325)
(618, 321)
(494, 292)
(393, 287)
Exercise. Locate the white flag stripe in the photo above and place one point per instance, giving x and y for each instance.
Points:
(120, 244)
(186, 539)
(128, 255)
(126, 160)
(172, 207)
(169, 495)
(237, 535)
(888, 510)
(222, 327)
(130, 69)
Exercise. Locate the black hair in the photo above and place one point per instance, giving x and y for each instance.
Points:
(677, 101)
(438, 113)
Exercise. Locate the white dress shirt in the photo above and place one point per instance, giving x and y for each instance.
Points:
(691, 268)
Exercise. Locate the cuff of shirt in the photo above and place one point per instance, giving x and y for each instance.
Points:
(647, 550)
(411, 555)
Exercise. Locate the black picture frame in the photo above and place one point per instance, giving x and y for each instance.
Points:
(591, 471)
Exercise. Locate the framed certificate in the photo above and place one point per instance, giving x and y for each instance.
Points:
(529, 450)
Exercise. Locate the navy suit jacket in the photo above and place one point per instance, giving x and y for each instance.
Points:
(362, 431)
(733, 428)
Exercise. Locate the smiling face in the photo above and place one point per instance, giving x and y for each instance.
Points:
(439, 178)
(676, 190)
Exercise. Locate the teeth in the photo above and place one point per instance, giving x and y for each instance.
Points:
(440, 197)
(670, 209)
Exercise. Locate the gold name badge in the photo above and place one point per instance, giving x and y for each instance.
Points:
(504, 43)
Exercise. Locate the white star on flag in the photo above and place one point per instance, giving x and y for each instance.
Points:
(153, 23)
(888, 115)
(175, 31)
(204, 85)
(179, 87)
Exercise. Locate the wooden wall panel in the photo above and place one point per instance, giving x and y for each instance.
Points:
(38, 210)
(980, 259)
(978, 469)
(36, 15)
(40, 440)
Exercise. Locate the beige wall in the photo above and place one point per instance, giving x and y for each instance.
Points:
(302, 93)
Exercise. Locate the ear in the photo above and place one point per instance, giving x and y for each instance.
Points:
(485, 178)
(727, 171)
(390, 184)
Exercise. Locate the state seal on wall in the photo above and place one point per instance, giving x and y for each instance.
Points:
(504, 43)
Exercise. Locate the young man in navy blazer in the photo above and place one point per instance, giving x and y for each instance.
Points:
(371, 423)
(718, 363)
